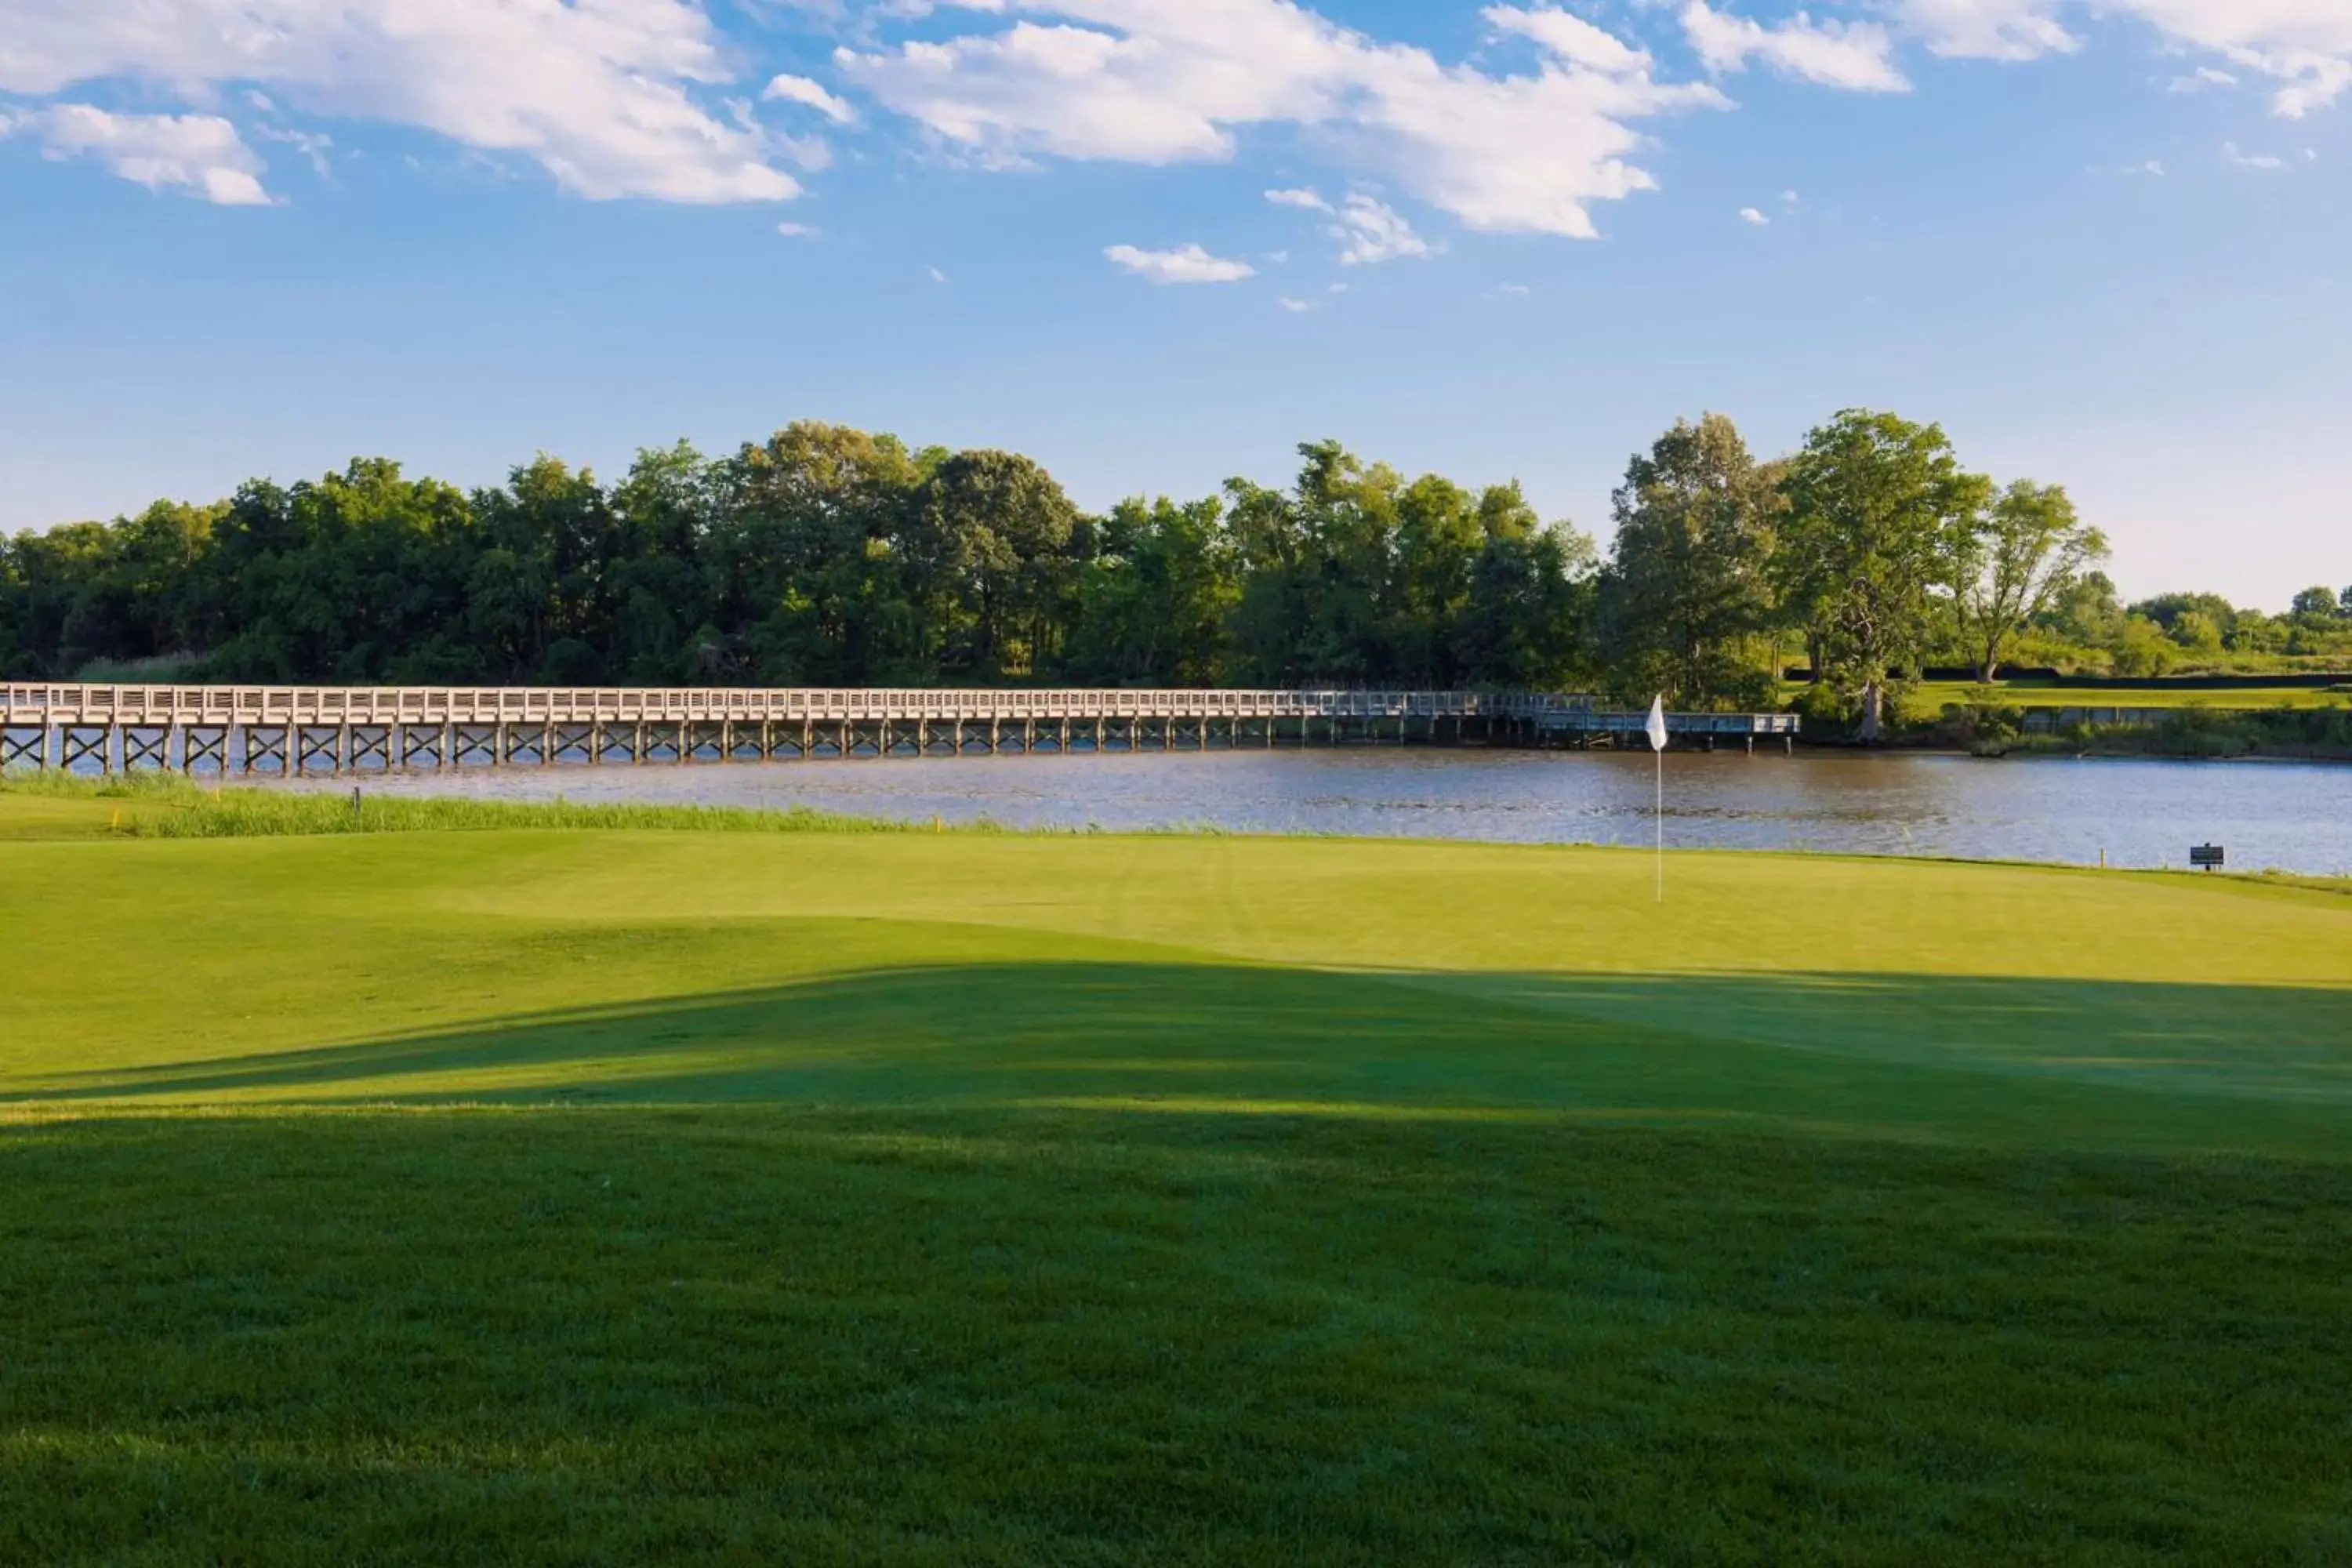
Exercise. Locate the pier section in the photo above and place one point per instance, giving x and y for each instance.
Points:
(283, 730)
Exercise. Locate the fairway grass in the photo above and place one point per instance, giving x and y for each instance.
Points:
(591, 1195)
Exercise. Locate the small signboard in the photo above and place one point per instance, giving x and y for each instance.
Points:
(2207, 855)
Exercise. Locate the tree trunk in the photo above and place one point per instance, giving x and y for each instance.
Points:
(1873, 698)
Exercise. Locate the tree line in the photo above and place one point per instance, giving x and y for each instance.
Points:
(826, 555)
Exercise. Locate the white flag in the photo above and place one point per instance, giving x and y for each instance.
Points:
(1657, 724)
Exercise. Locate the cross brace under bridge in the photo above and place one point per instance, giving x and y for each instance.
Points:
(286, 730)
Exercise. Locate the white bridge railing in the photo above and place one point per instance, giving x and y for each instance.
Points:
(23, 704)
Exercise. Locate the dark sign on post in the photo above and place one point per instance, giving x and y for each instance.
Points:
(2206, 854)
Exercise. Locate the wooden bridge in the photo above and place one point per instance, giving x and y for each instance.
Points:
(289, 729)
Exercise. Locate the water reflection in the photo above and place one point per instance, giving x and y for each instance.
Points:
(2295, 816)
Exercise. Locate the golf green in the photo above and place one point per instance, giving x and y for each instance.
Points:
(584, 1197)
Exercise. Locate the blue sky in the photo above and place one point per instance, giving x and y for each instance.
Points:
(1154, 243)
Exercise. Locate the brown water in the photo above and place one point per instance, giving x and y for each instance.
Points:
(2290, 815)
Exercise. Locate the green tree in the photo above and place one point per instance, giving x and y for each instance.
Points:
(1154, 597)
(2028, 552)
(1440, 533)
(2141, 648)
(2196, 630)
(1879, 515)
(808, 555)
(990, 548)
(656, 589)
(1688, 587)
(2318, 604)
(1529, 621)
(2166, 610)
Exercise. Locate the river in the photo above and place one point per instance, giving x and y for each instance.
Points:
(2141, 812)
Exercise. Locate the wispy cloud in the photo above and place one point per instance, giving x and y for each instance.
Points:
(1858, 57)
(1750, 215)
(801, 90)
(1370, 231)
(2304, 46)
(1298, 198)
(2203, 78)
(1185, 264)
(1570, 38)
(199, 153)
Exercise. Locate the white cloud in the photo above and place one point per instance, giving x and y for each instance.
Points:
(314, 146)
(1186, 264)
(1298, 198)
(797, 230)
(1750, 215)
(2304, 45)
(200, 153)
(1989, 29)
(799, 90)
(1512, 290)
(606, 95)
(937, 276)
(1370, 231)
(2251, 161)
(1571, 38)
(1151, 81)
(2152, 167)
(1297, 307)
(1858, 57)
(2201, 79)
(1790, 197)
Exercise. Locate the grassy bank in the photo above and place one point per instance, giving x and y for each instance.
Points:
(604, 1195)
(1932, 696)
(169, 806)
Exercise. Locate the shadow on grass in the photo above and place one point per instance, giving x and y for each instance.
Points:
(981, 1335)
(2231, 1066)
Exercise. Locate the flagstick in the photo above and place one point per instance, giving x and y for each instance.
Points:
(1659, 815)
